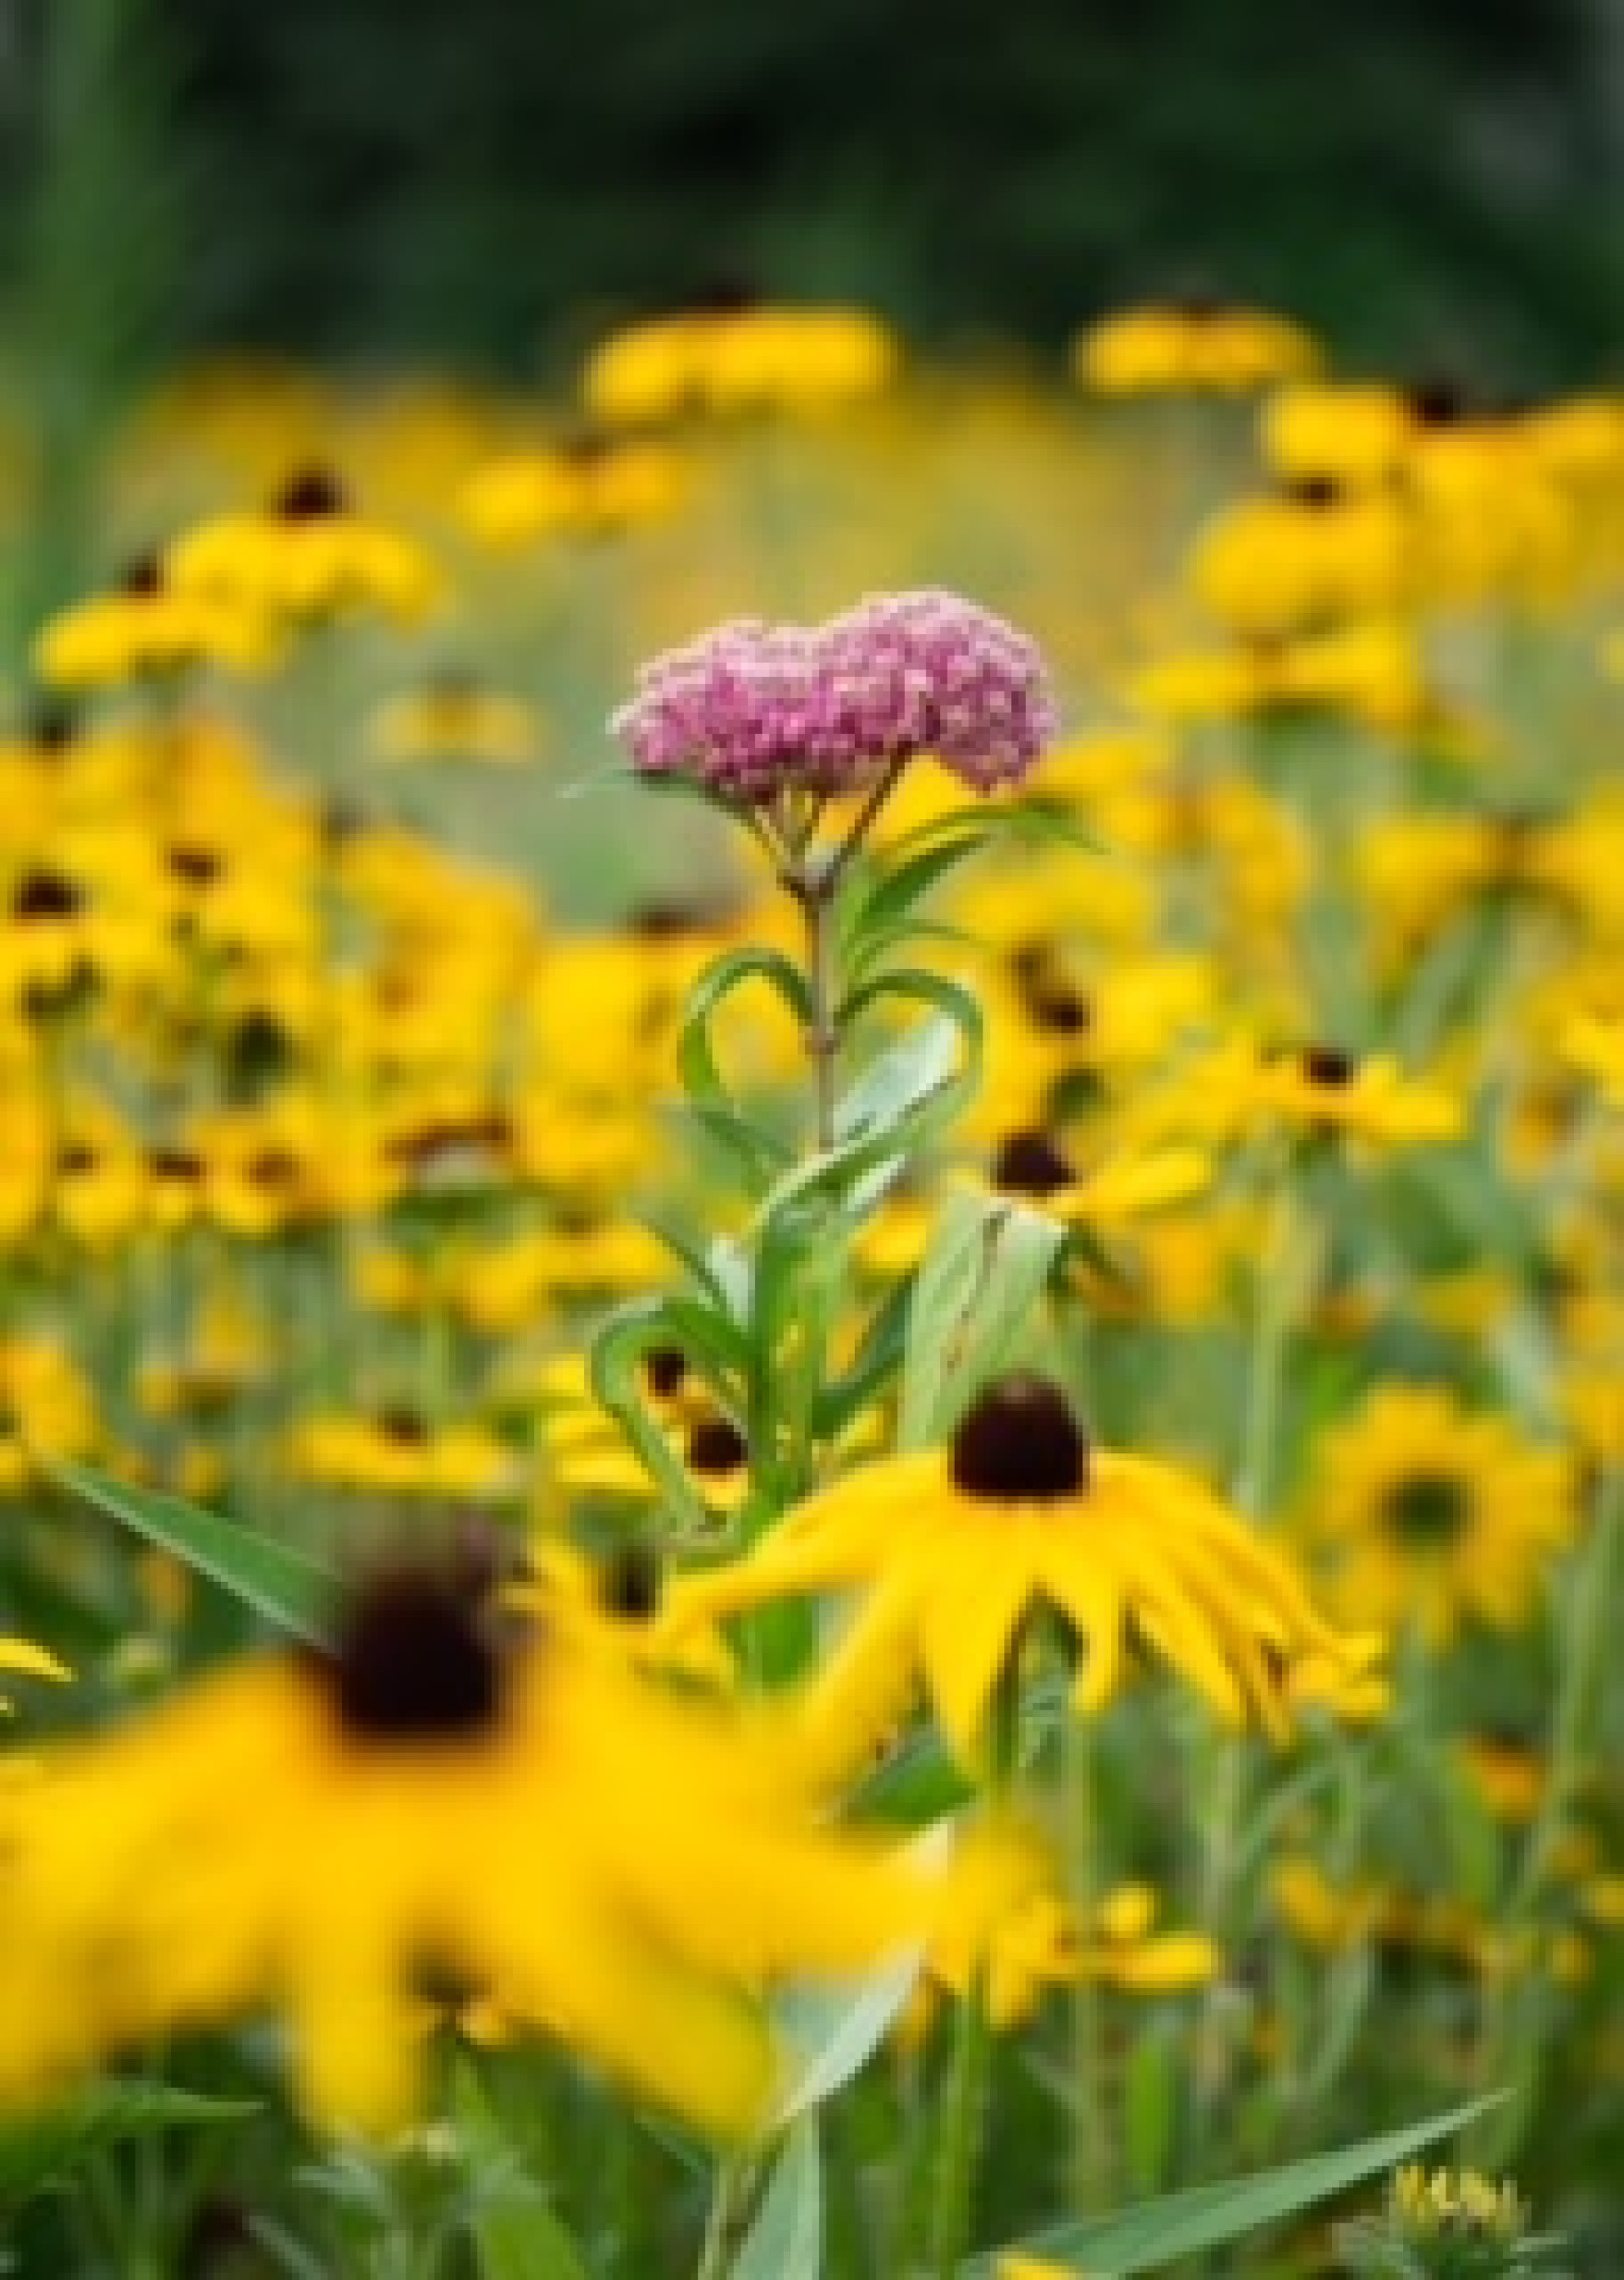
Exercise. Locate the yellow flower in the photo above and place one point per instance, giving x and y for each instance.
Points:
(149, 628)
(962, 1545)
(1352, 431)
(1316, 1089)
(1117, 1192)
(737, 360)
(1272, 566)
(47, 1409)
(1170, 346)
(607, 1862)
(451, 717)
(306, 555)
(397, 1451)
(586, 488)
(1421, 1510)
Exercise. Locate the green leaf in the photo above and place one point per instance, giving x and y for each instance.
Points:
(1150, 2106)
(939, 1066)
(785, 2242)
(282, 1584)
(37, 2151)
(878, 1359)
(904, 884)
(1186, 2223)
(708, 1339)
(980, 1278)
(758, 1155)
(701, 1074)
(835, 2030)
(516, 2235)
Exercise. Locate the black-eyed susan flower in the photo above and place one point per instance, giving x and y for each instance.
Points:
(1116, 1192)
(398, 1451)
(962, 1545)
(736, 357)
(147, 627)
(1317, 1089)
(1311, 554)
(1421, 1510)
(587, 487)
(606, 1862)
(1041, 1945)
(48, 1408)
(306, 555)
(453, 716)
(1194, 346)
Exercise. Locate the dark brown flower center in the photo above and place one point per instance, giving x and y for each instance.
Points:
(76, 1157)
(181, 1164)
(143, 575)
(1319, 494)
(628, 1583)
(413, 1662)
(716, 1447)
(45, 894)
(313, 494)
(402, 1427)
(1059, 1008)
(193, 866)
(1019, 1443)
(1330, 1066)
(274, 1168)
(53, 726)
(1029, 1163)
(665, 1367)
(1429, 1508)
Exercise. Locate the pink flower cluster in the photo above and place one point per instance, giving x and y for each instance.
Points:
(752, 709)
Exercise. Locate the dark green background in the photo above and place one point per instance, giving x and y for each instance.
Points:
(484, 182)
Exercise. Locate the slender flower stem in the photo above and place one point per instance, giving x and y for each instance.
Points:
(731, 2201)
(822, 1029)
(1590, 1634)
(967, 2098)
(1089, 2157)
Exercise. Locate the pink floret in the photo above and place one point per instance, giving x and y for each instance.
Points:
(752, 709)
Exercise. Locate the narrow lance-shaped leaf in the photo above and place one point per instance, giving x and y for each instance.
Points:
(1160, 2232)
(283, 1585)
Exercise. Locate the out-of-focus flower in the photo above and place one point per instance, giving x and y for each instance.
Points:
(588, 488)
(452, 717)
(1419, 1510)
(1169, 347)
(736, 359)
(307, 554)
(150, 627)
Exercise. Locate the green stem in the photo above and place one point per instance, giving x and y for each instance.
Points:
(1511, 2038)
(731, 2197)
(1091, 2148)
(822, 1031)
(968, 2097)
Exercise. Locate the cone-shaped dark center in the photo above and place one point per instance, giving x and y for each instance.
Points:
(274, 1168)
(716, 1446)
(1429, 1509)
(53, 725)
(415, 1663)
(659, 919)
(725, 293)
(1437, 403)
(1330, 1066)
(1019, 1443)
(193, 866)
(1317, 493)
(665, 1367)
(586, 447)
(75, 1157)
(402, 1427)
(312, 494)
(45, 894)
(1029, 1163)
(143, 575)
(1059, 1007)
(175, 1164)
(628, 1583)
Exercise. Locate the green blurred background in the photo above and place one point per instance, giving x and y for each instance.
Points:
(484, 183)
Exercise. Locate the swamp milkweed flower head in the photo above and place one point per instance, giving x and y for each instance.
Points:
(962, 1544)
(752, 710)
(311, 1829)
